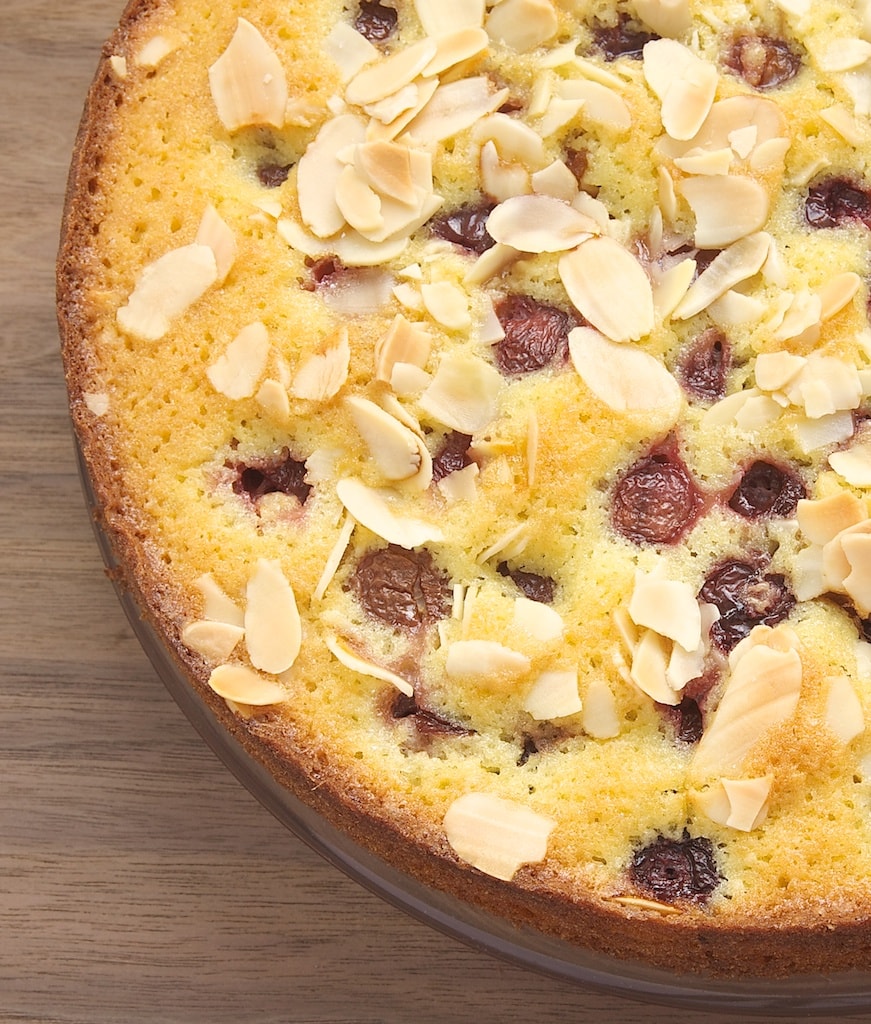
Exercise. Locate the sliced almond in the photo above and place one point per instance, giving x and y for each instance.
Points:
(857, 583)
(485, 661)
(235, 373)
(454, 107)
(248, 82)
(555, 180)
(389, 74)
(456, 47)
(513, 140)
(537, 620)
(495, 835)
(671, 18)
(622, 377)
(761, 693)
(166, 288)
(334, 558)
(688, 100)
(357, 663)
(844, 714)
(464, 393)
(215, 641)
(502, 180)
(737, 263)
(375, 509)
(358, 203)
(726, 207)
(404, 342)
(319, 170)
(600, 717)
(273, 633)
(242, 685)
(668, 606)
(822, 520)
(537, 223)
(522, 24)
(440, 17)
(218, 236)
(447, 304)
(845, 54)
(217, 604)
(837, 293)
(349, 49)
(599, 104)
(853, 464)
(609, 287)
(398, 452)
(322, 376)
(554, 694)
(649, 668)
(741, 804)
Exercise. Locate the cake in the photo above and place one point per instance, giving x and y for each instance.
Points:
(476, 399)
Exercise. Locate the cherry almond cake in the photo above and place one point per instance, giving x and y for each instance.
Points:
(477, 397)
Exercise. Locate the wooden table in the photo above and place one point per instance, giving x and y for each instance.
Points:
(138, 881)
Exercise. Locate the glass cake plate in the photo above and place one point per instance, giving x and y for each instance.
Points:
(829, 995)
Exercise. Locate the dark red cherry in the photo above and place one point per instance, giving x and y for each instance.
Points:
(746, 596)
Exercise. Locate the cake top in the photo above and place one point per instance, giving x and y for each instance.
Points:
(476, 392)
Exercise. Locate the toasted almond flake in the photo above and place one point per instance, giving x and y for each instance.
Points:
(440, 17)
(358, 202)
(824, 431)
(624, 378)
(322, 376)
(761, 693)
(236, 373)
(718, 161)
(502, 180)
(638, 903)
(554, 694)
(319, 170)
(857, 583)
(600, 718)
(248, 82)
(837, 293)
(509, 544)
(242, 685)
(538, 620)
(836, 566)
(744, 140)
(774, 370)
(408, 380)
(334, 558)
(356, 663)
(491, 264)
(118, 64)
(822, 520)
(846, 124)
(802, 318)
(349, 49)
(609, 287)
(217, 605)
(389, 74)
(485, 661)
(374, 509)
(352, 248)
(669, 18)
(273, 399)
(737, 263)
(688, 100)
(454, 107)
(649, 666)
(726, 207)
(735, 308)
(464, 393)
(845, 54)
(512, 140)
(672, 286)
(555, 180)
(388, 167)
(741, 804)
(404, 342)
(757, 412)
(522, 24)
(667, 606)
(853, 464)
(397, 451)
(97, 402)
(156, 50)
(456, 47)
(166, 288)
(391, 109)
(447, 304)
(273, 633)
(537, 223)
(844, 714)
(600, 104)
(495, 835)
(215, 641)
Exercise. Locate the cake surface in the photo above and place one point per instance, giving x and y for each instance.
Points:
(476, 399)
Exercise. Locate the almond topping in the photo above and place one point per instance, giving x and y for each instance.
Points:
(248, 82)
(522, 24)
(165, 290)
(837, 293)
(273, 634)
(536, 223)
(844, 714)
(322, 376)
(215, 233)
(761, 693)
(464, 393)
(622, 377)
(456, 47)
(485, 661)
(390, 74)
(334, 558)
(356, 663)
(404, 342)
(666, 17)
(601, 719)
(684, 83)
(236, 373)
(242, 685)
(649, 668)
(397, 451)
(537, 620)
(454, 107)
(741, 804)
(667, 606)
(609, 287)
(447, 304)
(553, 695)
(349, 49)
(822, 520)
(319, 170)
(495, 835)
(215, 641)
(374, 509)
(439, 17)
(726, 207)
(853, 464)
(739, 262)
(217, 605)
(857, 583)
(599, 104)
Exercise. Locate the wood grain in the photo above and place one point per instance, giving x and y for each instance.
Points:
(138, 881)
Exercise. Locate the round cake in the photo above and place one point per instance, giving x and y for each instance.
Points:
(476, 397)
